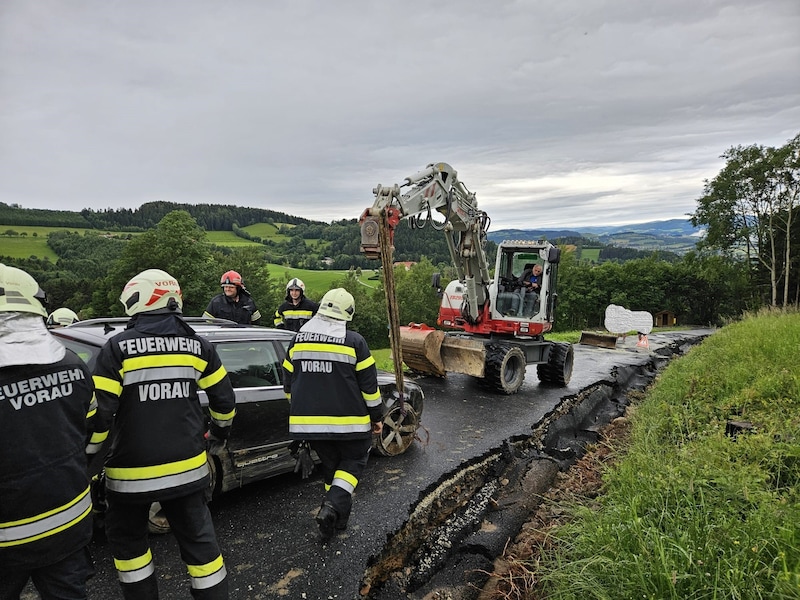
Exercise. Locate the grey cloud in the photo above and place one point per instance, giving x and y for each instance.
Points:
(575, 113)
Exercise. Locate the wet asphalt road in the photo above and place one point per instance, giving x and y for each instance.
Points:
(269, 540)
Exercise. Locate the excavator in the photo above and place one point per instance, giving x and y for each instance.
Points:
(493, 326)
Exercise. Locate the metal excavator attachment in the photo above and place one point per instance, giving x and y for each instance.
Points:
(431, 351)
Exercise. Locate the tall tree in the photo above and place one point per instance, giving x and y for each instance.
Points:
(748, 208)
(177, 245)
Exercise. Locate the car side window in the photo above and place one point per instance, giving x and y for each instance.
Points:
(87, 354)
(250, 364)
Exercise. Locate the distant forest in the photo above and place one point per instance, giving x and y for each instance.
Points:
(307, 244)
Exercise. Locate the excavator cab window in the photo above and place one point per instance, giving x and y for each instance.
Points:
(522, 261)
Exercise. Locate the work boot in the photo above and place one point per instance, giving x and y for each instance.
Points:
(326, 519)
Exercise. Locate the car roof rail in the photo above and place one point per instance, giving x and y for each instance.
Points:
(120, 320)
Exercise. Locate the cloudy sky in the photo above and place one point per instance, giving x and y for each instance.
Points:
(555, 113)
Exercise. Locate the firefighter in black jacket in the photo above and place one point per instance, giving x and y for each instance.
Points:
(332, 382)
(296, 310)
(234, 303)
(45, 398)
(147, 379)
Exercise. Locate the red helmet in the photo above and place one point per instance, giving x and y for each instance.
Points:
(231, 278)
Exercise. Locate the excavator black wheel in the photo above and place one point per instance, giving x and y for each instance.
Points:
(558, 369)
(504, 370)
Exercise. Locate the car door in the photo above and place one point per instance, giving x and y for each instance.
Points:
(259, 439)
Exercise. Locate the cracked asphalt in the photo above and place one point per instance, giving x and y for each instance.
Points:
(269, 540)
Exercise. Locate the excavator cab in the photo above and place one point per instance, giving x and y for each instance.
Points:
(510, 301)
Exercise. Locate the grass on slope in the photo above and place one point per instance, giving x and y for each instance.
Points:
(691, 512)
(26, 247)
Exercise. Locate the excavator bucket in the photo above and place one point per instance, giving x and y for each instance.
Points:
(429, 350)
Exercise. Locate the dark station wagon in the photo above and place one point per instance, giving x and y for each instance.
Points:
(258, 446)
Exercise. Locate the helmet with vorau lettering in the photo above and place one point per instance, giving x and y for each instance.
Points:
(19, 292)
(152, 290)
(337, 303)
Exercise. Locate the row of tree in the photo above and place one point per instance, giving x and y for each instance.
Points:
(93, 269)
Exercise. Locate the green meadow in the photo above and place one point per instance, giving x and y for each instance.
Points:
(267, 231)
(25, 247)
(228, 238)
(317, 282)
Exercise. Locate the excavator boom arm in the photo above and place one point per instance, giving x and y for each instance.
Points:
(437, 188)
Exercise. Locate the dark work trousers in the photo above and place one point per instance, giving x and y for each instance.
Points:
(190, 521)
(343, 464)
(64, 580)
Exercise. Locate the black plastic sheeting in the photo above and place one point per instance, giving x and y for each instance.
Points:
(447, 547)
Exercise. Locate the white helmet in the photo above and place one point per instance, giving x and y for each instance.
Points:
(337, 303)
(151, 290)
(61, 317)
(296, 284)
(19, 292)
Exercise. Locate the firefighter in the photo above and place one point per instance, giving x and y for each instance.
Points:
(61, 317)
(234, 303)
(296, 309)
(332, 383)
(147, 378)
(45, 397)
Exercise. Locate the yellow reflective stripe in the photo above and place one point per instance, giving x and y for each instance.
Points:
(167, 482)
(326, 420)
(256, 315)
(96, 441)
(206, 569)
(297, 313)
(322, 347)
(173, 468)
(208, 315)
(371, 398)
(98, 437)
(145, 361)
(105, 384)
(213, 379)
(136, 569)
(344, 480)
(288, 365)
(222, 416)
(92, 407)
(30, 529)
(367, 362)
(131, 564)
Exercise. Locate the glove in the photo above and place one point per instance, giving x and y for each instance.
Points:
(304, 464)
(214, 444)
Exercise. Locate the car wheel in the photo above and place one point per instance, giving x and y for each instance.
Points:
(399, 431)
(214, 481)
